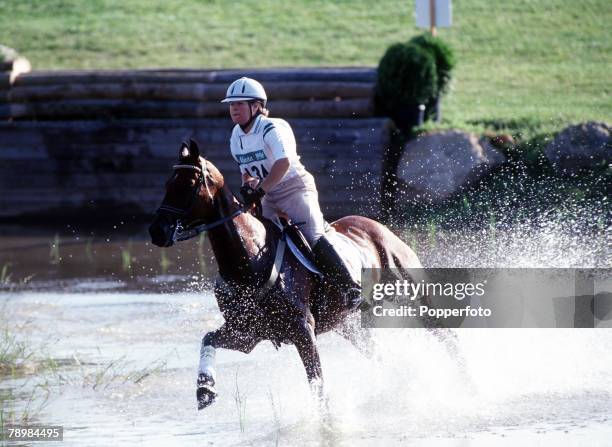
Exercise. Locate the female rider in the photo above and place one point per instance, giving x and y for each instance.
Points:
(265, 150)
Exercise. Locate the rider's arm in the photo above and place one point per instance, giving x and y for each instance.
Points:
(278, 171)
(282, 142)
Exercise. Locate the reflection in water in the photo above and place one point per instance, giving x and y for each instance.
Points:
(115, 260)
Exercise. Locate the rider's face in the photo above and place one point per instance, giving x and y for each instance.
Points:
(241, 112)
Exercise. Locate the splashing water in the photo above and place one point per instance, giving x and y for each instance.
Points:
(530, 386)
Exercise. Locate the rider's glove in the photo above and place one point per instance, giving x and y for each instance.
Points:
(251, 195)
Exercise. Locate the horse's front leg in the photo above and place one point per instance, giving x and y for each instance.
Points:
(305, 342)
(224, 337)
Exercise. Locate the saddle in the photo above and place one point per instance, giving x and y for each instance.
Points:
(290, 233)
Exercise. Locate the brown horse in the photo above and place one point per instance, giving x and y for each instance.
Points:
(290, 307)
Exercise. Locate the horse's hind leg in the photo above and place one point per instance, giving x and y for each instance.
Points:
(303, 338)
(361, 338)
(224, 337)
(450, 341)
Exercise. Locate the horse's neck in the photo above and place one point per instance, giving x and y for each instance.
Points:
(239, 245)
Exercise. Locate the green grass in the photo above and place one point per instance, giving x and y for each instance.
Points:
(14, 354)
(546, 62)
(514, 195)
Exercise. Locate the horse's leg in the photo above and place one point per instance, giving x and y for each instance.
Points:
(224, 337)
(450, 341)
(304, 340)
(360, 338)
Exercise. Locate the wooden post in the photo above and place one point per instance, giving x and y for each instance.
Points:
(432, 17)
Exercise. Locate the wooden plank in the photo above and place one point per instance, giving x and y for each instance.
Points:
(335, 74)
(143, 201)
(107, 109)
(143, 153)
(84, 181)
(5, 112)
(101, 172)
(15, 134)
(191, 123)
(186, 91)
(209, 140)
(92, 164)
(151, 199)
(126, 90)
(5, 79)
(78, 175)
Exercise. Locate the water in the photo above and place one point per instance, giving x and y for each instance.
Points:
(125, 337)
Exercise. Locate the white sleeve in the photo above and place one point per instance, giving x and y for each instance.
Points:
(234, 144)
(280, 139)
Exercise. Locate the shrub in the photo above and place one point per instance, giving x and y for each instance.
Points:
(443, 56)
(406, 77)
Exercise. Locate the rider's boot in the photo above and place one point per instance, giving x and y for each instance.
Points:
(336, 272)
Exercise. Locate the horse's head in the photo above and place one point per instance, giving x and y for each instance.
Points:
(190, 196)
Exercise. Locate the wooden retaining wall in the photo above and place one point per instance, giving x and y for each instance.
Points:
(102, 143)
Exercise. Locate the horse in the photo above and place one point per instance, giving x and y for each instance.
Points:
(259, 297)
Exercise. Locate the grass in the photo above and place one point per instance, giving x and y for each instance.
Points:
(114, 372)
(18, 360)
(276, 410)
(15, 356)
(201, 259)
(5, 273)
(126, 257)
(543, 63)
(240, 399)
(7, 283)
(24, 403)
(516, 194)
(54, 250)
(164, 262)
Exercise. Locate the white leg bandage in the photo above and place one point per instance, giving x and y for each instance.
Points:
(207, 361)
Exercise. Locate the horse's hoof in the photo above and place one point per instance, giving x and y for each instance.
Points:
(205, 393)
(206, 396)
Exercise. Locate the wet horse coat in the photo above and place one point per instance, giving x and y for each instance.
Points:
(244, 248)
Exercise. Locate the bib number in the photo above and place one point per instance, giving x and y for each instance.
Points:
(256, 172)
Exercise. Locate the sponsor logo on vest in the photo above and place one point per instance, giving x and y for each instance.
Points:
(250, 157)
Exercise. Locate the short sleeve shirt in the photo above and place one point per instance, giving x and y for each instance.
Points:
(268, 140)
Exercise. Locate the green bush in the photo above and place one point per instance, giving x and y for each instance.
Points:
(443, 56)
(406, 77)
(7, 54)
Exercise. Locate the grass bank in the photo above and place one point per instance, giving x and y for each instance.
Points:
(545, 63)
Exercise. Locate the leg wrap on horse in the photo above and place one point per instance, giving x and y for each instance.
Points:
(207, 361)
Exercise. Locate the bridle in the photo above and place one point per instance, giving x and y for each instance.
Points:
(183, 231)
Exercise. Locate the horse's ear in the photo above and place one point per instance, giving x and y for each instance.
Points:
(194, 149)
(189, 151)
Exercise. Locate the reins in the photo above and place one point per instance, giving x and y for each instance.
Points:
(182, 232)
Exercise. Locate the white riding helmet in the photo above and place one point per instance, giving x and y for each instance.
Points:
(245, 89)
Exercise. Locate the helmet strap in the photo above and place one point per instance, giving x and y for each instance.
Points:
(252, 117)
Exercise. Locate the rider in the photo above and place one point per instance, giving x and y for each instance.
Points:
(265, 150)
